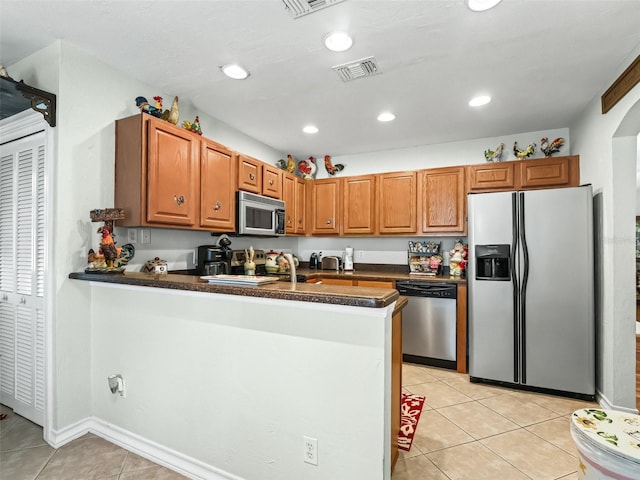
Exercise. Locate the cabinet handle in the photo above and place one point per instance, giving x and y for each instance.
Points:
(300, 221)
(270, 182)
(217, 206)
(329, 222)
(23, 300)
(252, 176)
(5, 297)
(179, 200)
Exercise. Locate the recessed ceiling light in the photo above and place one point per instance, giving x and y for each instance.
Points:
(234, 71)
(338, 41)
(310, 129)
(482, 5)
(386, 117)
(479, 101)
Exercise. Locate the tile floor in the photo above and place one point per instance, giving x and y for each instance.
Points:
(477, 431)
(24, 455)
(466, 431)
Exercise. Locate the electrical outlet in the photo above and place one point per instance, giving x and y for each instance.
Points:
(132, 235)
(310, 453)
(145, 236)
(360, 254)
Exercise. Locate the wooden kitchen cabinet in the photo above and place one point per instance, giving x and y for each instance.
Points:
(300, 218)
(289, 198)
(217, 187)
(271, 181)
(157, 173)
(295, 201)
(358, 205)
(491, 177)
(325, 206)
(549, 172)
(397, 202)
(552, 172)
(442, 202)
(336, 281)
(249, 174)
(374, 283)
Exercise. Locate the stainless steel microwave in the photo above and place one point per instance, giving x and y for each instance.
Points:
(259, 215)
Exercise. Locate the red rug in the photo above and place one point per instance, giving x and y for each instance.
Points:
(411, 408)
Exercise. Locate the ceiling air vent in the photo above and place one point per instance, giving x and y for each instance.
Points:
(365, 67)
(299, 8)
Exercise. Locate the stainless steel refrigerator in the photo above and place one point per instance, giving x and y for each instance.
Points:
(531, 293)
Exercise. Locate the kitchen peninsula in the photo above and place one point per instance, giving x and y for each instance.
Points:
(242, 374)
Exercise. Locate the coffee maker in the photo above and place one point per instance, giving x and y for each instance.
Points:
(347, 261)
(213, 260)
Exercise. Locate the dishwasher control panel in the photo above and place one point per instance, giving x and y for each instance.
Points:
(414, 288)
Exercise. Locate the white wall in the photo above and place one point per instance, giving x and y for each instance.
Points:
(608, 155)
(236, 382)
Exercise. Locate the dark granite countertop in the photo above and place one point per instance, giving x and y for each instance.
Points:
(304, 292)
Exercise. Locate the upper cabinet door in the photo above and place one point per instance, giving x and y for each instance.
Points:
(289, 198)
(173, 175)
(271, 181)
(442, 200)
(550, 172)
(397, 200)
(325, 203)
(249, 174)
(300, 218)
(217, 187)
(358, 205)
(488, 177)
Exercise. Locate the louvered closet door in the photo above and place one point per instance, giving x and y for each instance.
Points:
(22, 231)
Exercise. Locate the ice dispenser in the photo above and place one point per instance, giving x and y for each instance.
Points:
(492, 262)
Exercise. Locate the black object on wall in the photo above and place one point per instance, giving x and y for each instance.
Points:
(16, 97)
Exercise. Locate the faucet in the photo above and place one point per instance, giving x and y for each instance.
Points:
(292, 268)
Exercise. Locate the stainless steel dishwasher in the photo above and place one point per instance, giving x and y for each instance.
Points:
(429, 323)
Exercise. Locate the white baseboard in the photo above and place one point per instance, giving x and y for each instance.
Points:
(171, 459)
(607, 405)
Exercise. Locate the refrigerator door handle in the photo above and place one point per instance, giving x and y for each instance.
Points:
(516, 286)
(523, 295)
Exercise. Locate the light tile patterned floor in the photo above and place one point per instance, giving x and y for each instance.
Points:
(466, 431)
(476, 431)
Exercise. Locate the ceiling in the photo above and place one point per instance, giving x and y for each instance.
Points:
(541, 61)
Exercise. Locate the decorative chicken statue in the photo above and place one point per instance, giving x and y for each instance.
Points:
(308, 169)
(332, 169)
(172, 115)
(550, 148)
(522, 154)
(494, 155)
(108, 246)
(289, 165)
(193, 126)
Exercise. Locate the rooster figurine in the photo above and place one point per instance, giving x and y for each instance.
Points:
(172, 114)
(522, 154)
(308, 169)
(494, 155)
(108, 246)
(288, 166)
(550, 148)
(332, 169)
